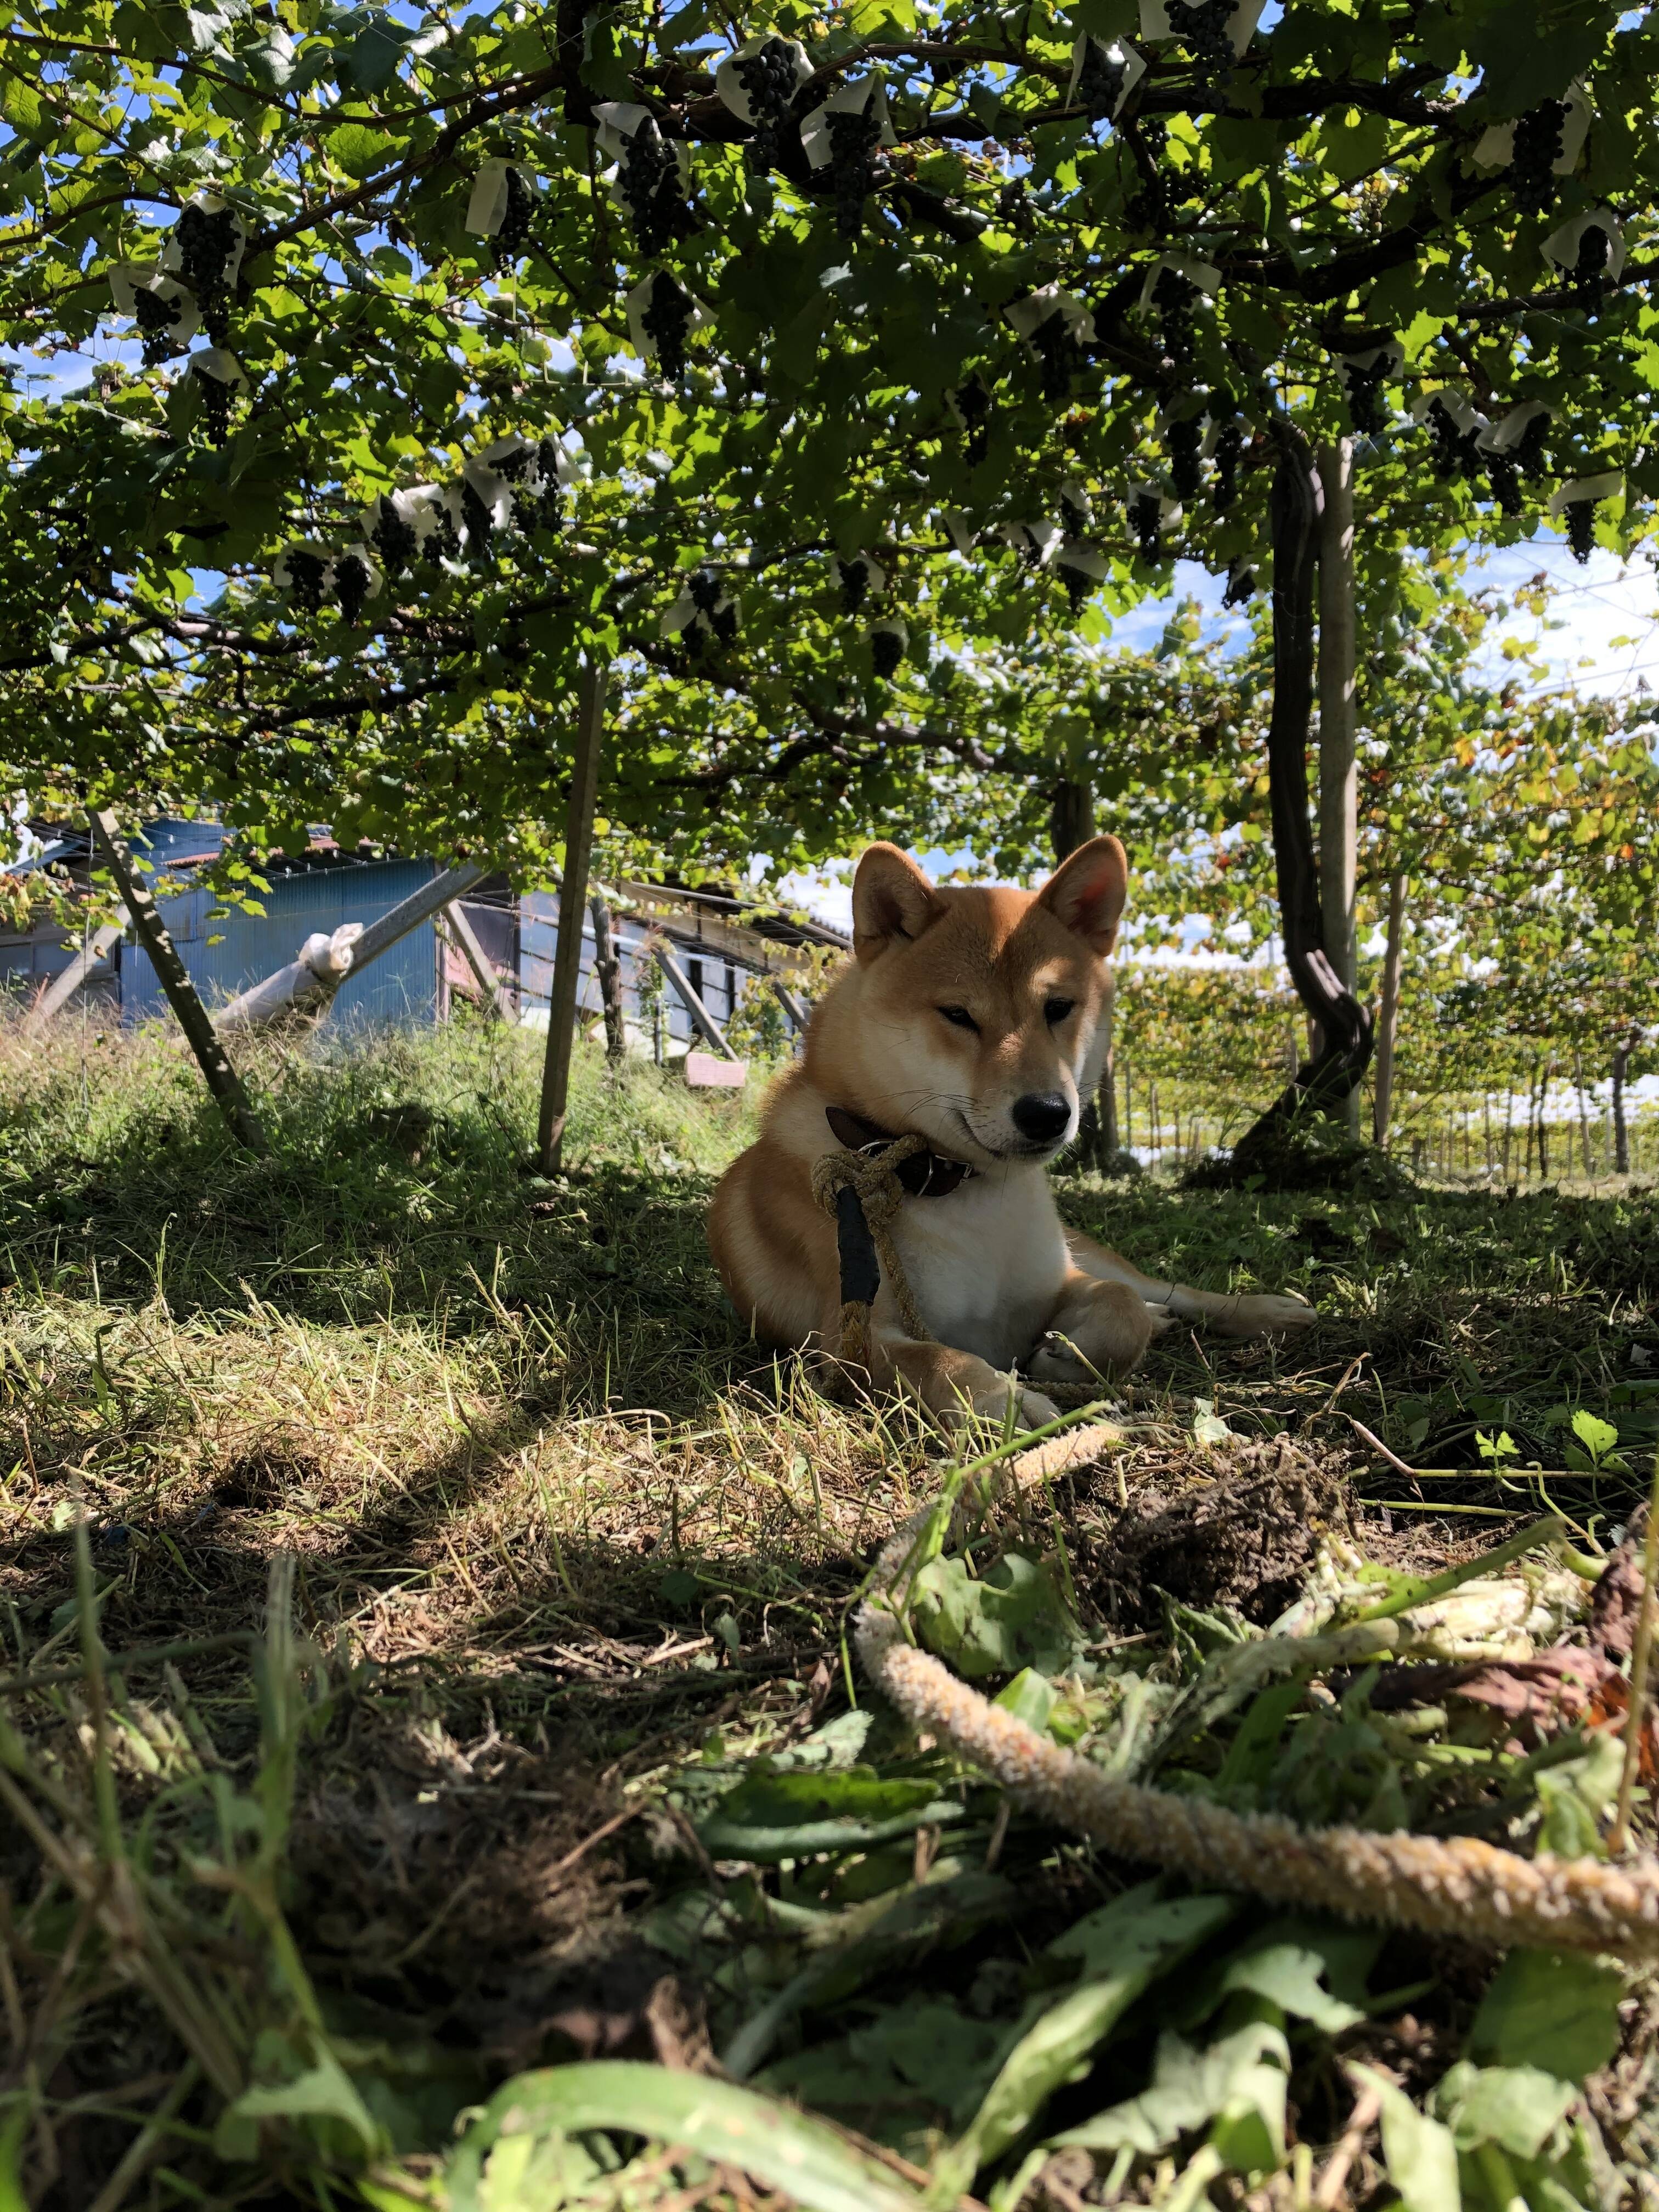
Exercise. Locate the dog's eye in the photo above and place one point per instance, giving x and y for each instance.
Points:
(1054, 1010)
(959, 1018)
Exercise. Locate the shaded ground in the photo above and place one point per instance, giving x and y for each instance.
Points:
(559, 1531)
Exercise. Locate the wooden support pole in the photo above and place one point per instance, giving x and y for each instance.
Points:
(798, 1012)
(701, 1020)
(1388, 1018)
(65, 985)
(607, 968)
(573, 901)
(483, 969)
(222, 1079)
(409, 914)
(1338, 787)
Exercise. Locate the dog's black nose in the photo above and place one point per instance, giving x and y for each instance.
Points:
(1042, 1115)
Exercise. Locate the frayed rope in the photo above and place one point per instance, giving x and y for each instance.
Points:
(1455, 1886)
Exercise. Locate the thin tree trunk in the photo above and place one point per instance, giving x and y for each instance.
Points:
(1129, 1112)
(1621, 1054)
(1584, 1118)
(1338, 787)
(607, 970)
(1544, 1074)
(1387, 1017)
(1509, 1125)
(1326, 1082)
(1106, 1092)
(572, 898)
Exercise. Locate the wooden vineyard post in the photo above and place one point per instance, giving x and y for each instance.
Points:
(573, 902)
(64, 987)
(222, 1079)
(1338, 783)
(607, 966)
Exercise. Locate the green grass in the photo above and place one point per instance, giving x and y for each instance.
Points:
(560, 1543)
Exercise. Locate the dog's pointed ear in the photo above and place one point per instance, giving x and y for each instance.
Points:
(892, 899)
(1087, 892)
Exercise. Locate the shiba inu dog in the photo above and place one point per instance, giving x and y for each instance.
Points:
(974, 1018)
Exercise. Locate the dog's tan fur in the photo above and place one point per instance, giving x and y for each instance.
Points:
(994, 1274)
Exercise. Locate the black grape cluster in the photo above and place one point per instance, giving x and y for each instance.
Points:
(1362, 388)
(769, 78)
(1506, 481)
(513, 235)
(1229, 450)
(1078, 585)
(1530, 452)
(476, 516)
(1589, 270)
(854, 584)
(1145, 512)
(1241, 584)
(886, 651)
(157, 319)
(216, 397)
(550, 505)
(706, 595)
(1060, 353)
(1581, 528)
(205, 244)
(1456, 452)
(973, 404)
(1174, 296)
(649, 182)
(1100, 82)
(444, 541)
(393, 538)
(351, 582)
(853, 140)
(306, 578)
(1538, 140)
(1202, 27)
(1185, 441)
(666, 320)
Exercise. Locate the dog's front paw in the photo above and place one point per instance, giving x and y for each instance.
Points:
(1265, 1313)
(992, 1400)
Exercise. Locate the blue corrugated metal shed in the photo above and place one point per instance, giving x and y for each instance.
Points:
(228, 955)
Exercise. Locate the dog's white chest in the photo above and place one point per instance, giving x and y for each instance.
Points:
(985, 1263)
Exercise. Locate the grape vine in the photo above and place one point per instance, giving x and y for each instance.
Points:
(1175, 296)
(1145, 513)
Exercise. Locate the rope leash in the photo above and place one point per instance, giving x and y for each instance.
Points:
(1456, 1886)
(861, 1193)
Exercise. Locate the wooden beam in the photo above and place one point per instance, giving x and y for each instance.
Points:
(65, 985)
(477, 958)
(702, 1019)
(797, 1013)
(211, 1058)
(409, 914)
(573, 902)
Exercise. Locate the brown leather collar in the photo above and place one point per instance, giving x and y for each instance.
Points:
(924, 1175)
